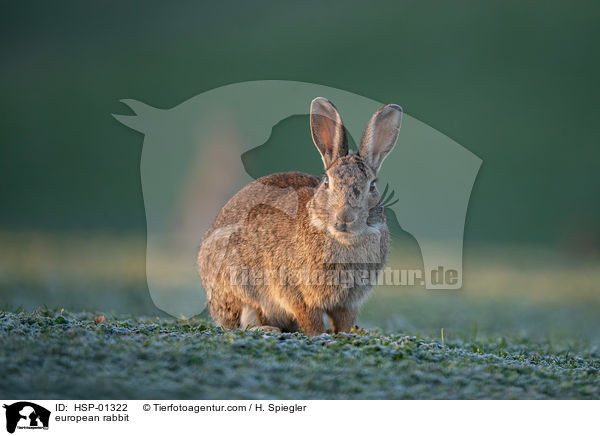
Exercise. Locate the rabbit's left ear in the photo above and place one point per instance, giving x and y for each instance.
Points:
(380, 135)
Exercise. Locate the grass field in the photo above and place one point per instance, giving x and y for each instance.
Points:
(47, 354)
(526, 325)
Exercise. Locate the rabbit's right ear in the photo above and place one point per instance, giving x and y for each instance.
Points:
(328, 131)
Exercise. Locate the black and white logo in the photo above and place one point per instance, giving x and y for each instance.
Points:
(26, 415)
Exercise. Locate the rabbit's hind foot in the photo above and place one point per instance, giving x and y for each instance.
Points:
(249, 320)
(265, 328)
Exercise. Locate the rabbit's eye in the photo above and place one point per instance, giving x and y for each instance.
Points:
(326, 182)
(373, 186)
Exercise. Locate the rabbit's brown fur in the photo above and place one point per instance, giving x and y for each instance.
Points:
(271, 257)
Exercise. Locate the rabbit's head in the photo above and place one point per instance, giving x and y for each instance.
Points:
(347, 203)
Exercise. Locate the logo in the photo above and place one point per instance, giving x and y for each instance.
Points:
(199, 153)
(26, 415)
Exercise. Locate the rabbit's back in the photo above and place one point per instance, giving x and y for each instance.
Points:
(278, 191)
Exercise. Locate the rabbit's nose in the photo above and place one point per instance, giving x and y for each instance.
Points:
(341, 226)
(343, 219)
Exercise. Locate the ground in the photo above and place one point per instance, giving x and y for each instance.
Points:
(49, 354)
(525, 325)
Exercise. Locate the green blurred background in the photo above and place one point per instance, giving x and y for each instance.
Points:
(514, 82)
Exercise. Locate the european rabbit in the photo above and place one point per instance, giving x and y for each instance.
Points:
(290, 248)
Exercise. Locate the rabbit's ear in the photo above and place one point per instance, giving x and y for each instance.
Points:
(380, 135)
(327, 130)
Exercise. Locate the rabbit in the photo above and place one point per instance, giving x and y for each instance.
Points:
(273, 257)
